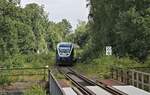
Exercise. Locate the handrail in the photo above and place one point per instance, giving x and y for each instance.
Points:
(54, 86)
(23, 68)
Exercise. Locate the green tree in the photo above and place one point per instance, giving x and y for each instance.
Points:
(57, 32)
(26, 38)
(38, 20)
(65, 27)
(25, 31)
(121, 24)
(8, 37)
(80, 36)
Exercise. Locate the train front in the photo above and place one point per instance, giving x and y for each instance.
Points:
(64, 54)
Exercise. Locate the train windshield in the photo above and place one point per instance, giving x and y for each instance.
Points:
(64, 48)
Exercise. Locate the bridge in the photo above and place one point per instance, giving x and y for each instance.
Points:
(67, 81)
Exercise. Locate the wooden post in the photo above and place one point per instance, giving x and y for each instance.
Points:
(116, 74)
(142, 80)
(137, 79)
(132, 77)
(127, 77)
(122, 75)
(112, 73)
(149, 83)
(45, 73)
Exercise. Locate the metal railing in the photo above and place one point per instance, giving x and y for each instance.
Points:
(140, 79)
(28, 76)
(131, 76)
(54, 87)
(24, 74)
(31, 74)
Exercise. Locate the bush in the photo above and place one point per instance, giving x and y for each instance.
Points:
(39, 60)
(30, 60)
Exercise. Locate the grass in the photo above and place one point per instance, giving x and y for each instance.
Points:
(24, 61)
(4, 80)
(100, 68)
(35, 90)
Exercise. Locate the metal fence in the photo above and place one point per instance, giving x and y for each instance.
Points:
(35, 75)
(24, 74)
(54, 87)
(131, 76)
(24, 77)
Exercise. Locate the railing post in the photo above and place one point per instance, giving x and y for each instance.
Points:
(116, 74)
(137, 79)
(44, 73)
(49, 81)
(149, 83)
(132, 77)
(122, 75)
(142, 80)
(112, 75)
(127, 77)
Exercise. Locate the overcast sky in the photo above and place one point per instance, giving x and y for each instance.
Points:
(73, 10)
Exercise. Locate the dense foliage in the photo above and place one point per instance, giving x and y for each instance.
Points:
(27, 31)
(122, 24)
(80, 35)
(57, 32)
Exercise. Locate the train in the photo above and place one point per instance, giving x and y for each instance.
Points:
(64, 53)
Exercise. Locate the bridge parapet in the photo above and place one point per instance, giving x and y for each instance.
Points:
(132, 76)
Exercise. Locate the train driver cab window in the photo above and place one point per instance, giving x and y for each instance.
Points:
(64, 48)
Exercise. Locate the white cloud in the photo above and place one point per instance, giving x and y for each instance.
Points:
(73, 10)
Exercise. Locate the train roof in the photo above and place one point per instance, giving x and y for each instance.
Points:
(64, 43)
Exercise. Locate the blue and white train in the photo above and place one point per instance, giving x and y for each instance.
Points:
(64, 53)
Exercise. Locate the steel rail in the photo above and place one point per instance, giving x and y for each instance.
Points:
(107, 88)
(67, 73)
(110, 89)
(83, 89)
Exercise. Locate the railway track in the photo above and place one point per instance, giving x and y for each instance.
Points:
(86, 86)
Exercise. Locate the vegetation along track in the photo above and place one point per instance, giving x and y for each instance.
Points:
(87, 86)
